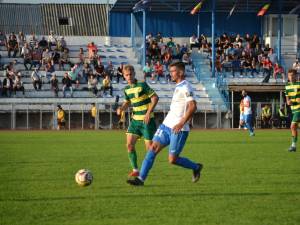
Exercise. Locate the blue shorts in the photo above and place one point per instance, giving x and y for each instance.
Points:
(165, 136)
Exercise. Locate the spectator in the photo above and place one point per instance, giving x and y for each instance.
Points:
(55, 57)
(18, 84)
(86, 70)
(36, 79)
(43, 44)
(93, 116)
(61, 44)
(296, 66)
(73, 75)
(167, 58)
(194, 42)
(92, 50)
(12, 46)
(253, 67)
(52, 40)
(147, 70)
(67, 85)
(61, 121)
(81, 57)
(54, 85)
(272, 56)
(158, 71)
(49, 69)
(21, 41)
(226, 64)
(36, 58)
(7, 86)
(33, 41)
(266, 116)
(26, 53)
(106, 85)
(3, 39)
(11, 69)
(278, 70)
(170, 43)
(120, 72)
(236, 66)
(46, 57)
(64, 59)
(99, 71)
(109, 70)
(267, 67)
(92, 85)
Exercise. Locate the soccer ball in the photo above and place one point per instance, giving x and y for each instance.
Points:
(83, 177)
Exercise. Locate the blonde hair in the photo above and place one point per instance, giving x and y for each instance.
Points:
(128, 67)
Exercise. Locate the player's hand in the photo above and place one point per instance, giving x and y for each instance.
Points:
(298, 100)
(177, 128)
(119, 111)
(289, 102)
(147, 118)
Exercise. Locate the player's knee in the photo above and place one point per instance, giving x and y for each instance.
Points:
(172, 159)
(293, 126)
(130, 147)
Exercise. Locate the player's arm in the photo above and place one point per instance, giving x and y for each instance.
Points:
(288, 100)
(154, 99)
(191, 108)
(123, 107)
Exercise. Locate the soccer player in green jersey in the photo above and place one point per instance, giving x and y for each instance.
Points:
(143, 101)
(292, 92)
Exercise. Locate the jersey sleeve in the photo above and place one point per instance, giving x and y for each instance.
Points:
(189, 93)
(148, 90)
(126, 98)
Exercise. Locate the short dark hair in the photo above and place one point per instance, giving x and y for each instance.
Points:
(178, 65)
(293, 71)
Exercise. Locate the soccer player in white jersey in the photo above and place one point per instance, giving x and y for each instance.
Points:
(174, 130)
(247, 112)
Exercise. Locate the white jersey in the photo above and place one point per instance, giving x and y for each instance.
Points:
(183, 93)
(247, 105)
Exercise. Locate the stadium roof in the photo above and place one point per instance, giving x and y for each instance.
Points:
(59, 1)
(221, 5)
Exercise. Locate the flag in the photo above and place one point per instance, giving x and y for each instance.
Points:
(264, 9)
(197, 8)
(231, 11)
(294, 10)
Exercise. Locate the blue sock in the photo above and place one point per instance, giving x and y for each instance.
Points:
(186, 163)
(147, 164)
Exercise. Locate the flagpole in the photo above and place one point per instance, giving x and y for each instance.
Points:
(213, 55)
(279, 34)
(198, 26)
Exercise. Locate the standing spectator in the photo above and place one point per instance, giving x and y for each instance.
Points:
(12, 46)
(278, 70)
(54, 85)
(267, 67)
(92, 50)
(7, 86)
(36, 79)
(67, 85)
(61, 121)
(18, 85)
(92, 84)
(26, 53)
(106, 85)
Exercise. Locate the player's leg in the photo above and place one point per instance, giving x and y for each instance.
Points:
(248, 123)
(177, 143)
(294, 126)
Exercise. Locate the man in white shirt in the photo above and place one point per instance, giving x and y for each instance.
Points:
(175, 128)
(248, 112)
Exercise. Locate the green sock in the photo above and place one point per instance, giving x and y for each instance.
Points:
(133, 159)
(294, 141)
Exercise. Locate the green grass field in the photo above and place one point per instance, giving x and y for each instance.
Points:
(245, 180)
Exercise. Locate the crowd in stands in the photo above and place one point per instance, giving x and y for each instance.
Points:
(49, 55)
(243, 55)
(160, 54)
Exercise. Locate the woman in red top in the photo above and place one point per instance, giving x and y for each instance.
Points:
(267, 67)
(158, 70)
(278, 70)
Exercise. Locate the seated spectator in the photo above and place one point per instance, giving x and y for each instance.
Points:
(64, 59)
(236, 66)
(61, 44)
(73, 75)
(226, 64)
(7, 86)
(93, 84)
(120, 72)
(109, 70)
(55, 57)
(18, 84)
(158, 71)
(81, 57)
(194, 42)
(52, 40)
(154, 52)
(12, 46)
(49, 69)
(186, 59)
(86, 71)
(170, 43)
(296, 66)
(99, 71)
(33, 41)
(266, 116)
(43, 44)
(158, 37)
(247, 65)
(267, 68)
(46, 57)
(67, 85)
(147, 70)
(36, 58)
(54, 85)
(167, 58)
(36, 79)
(26, 53)
(61, 121)
(106, 85)
(278, 70)
(21, 41)
(3, 39)
(11, 69)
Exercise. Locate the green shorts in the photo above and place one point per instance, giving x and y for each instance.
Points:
(296, 117)
(139, 128)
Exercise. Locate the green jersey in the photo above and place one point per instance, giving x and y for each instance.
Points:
(139, 95)
(292, 91)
